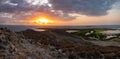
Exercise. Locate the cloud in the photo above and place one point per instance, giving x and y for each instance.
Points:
(85, 7)
(58, 8)
(14, 5)
(2, 21)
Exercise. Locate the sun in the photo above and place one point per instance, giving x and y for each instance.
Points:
(44, 21)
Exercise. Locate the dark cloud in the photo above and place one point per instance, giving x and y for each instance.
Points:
(14, 5)
(20, 6)
(66, 7)
(86, 7)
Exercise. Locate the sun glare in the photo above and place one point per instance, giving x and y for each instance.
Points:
(45, 21)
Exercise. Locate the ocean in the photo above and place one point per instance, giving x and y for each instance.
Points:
(22, 28)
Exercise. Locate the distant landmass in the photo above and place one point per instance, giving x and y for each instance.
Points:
(22, 27)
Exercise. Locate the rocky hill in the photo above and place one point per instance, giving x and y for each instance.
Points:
(51, 44)
(15, 46)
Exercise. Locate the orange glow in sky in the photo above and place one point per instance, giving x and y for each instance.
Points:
(44, 21)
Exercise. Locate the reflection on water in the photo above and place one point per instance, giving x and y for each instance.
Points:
(71, 31)
(41, 30)
(111, 32)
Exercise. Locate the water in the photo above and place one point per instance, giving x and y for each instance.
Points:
(41, 30)
(71, 31)
(22, 28)
(111, 32)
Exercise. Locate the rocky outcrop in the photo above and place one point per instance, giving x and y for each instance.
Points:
(53, 44)
(71, 46)
(15, 46)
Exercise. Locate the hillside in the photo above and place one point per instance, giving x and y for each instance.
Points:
(51, 44)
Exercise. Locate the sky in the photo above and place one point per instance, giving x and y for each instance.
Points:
(62, 12)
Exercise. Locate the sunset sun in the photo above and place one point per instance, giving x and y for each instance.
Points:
(45, 21)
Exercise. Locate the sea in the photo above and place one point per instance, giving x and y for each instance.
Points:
(23, 27)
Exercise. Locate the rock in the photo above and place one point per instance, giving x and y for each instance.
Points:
(50, 45)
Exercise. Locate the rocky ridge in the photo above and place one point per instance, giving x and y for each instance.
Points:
(15, 46)
(51, 44)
